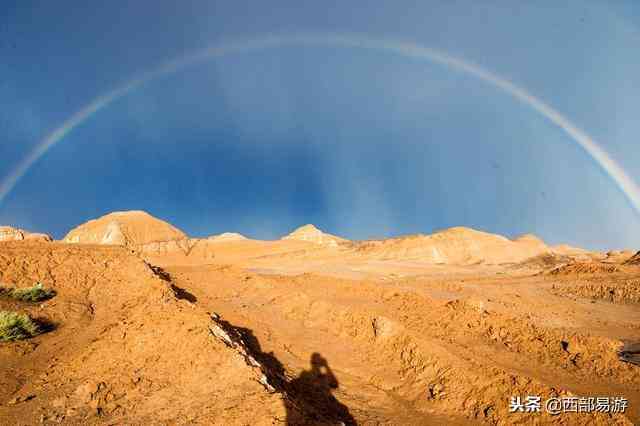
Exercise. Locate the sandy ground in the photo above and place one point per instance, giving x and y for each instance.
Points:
(317, 340)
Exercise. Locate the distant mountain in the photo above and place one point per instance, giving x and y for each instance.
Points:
(455, 246)
(312, 234)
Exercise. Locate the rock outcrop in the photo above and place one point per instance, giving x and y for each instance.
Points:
(7, 233)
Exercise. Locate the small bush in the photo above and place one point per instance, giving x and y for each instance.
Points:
(15, 326)
(37, 293)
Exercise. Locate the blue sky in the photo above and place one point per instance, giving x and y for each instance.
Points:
(363, 143)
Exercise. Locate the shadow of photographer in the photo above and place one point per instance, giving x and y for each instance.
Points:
(308, 398)
(313, 389)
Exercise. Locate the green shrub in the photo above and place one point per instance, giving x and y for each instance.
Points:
(37, 293)
(15, 326)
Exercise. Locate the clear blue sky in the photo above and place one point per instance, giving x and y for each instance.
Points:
(362, 143)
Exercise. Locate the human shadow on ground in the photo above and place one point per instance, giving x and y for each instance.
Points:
(312, 389)
(308, 398)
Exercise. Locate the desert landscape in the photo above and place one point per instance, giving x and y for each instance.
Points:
(145, 325)
(321, 213)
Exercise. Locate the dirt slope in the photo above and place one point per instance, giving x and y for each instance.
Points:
(124, 349)
(431, 351)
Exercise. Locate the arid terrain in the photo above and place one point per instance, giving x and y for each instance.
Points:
(150, 326)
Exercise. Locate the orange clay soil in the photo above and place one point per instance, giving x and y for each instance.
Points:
(312, 333)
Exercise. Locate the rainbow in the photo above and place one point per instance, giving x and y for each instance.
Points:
(622, 180)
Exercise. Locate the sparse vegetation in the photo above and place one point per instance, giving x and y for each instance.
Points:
(36, 293)
(15, 326)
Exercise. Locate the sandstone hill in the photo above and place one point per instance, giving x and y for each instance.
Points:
(457, 245)
(130, 228)
(227, 236)
(161, 242)
(580, 254)
(8, 233)
(312, 234)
